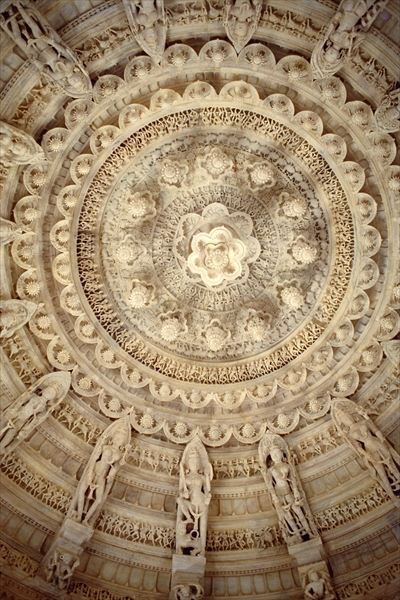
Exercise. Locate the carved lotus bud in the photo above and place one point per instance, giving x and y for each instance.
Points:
(180, 429)
(216, 335)
(141, 206)
(292, 297)
(256, 325)
(261, 175)
(173, 325)
(248, 431)
(172, 173)
(216, 162)
(303, 252)
(214, 432)
(142, 294)
(293, 207)
(216, 256)
(146, 421)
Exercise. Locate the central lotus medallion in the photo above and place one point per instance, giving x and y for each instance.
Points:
(220, 245)
(216, 256)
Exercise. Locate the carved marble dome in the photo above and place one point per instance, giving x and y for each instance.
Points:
(199, 310)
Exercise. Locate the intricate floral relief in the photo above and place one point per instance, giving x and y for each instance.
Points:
(142, 294)
(216, 256)
(141, 206)
(216, 336)
(172, 173)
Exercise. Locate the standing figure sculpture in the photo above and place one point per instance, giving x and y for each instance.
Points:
(147, 21)
(31, 409)
(317, 585)
(14, 314)
(359, 431)
(295, 518)
(345, 32)
(241, 20)
(42, 44)
(194, 498)
(95, 484)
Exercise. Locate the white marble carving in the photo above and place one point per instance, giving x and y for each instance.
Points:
(34, 36)
(295, 518)
(195, 475)
(345, 32)
(15, 314)
(31, 409)
(366, 439)
(95, 484)
(147, 21)
(18, 147)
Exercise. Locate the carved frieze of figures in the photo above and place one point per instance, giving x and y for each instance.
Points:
(387, 114)
(277, 466)
(316, 582)
(95, 484)
(34, 36)
(32, 408)
(241, 19)
(361, 433)
(18, 147)
(344, 34)
(195, 475)
(188, 591)
(14, 314)
(147, 21)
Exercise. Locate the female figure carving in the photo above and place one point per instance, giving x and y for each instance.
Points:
(193, 500)
(295, 518)
(97, 479)
(380, 458)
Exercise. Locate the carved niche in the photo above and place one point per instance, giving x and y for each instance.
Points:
(147, 21)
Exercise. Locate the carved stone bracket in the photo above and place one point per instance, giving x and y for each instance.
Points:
(53, 58)
(316, 581)
(147, 22)
(18, 147)
(32, 408)
(368, 442)
(64, 553)
(343, 35)
(187, 577)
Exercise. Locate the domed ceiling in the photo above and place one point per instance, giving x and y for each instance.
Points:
(199, 258)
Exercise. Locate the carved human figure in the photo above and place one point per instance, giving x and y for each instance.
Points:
(193, 500)
(387, 114)
(295, 518)
(60, 567)
(381, 459)
(14, 314)
(241, 20)
(188, 591)
(147, 21)
(95, 484)
(344, 33)
(31, 408)
(34, 36)
(318, 586)
(18, 147)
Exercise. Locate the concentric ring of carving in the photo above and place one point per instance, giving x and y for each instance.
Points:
(273, 221)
